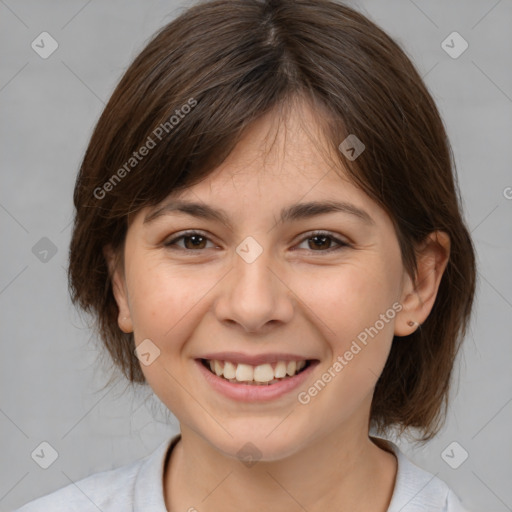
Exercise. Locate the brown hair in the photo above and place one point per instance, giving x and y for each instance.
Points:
(231, 61)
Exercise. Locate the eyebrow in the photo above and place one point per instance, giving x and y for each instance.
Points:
(295, 212)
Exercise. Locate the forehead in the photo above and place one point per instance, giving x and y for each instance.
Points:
(283, 169)
(280, 159)
(281, 162)
(284, 143)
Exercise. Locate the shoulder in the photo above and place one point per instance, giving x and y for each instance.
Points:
(417, 490)
(114, 490)
(91, 493)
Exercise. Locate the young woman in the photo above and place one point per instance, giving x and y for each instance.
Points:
(268, 232)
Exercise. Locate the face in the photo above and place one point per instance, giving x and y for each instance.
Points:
(248, 286)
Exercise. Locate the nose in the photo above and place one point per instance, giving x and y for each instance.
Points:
(254, 295)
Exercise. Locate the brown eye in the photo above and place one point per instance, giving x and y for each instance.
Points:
(321, 242)
(192, 241)
(196, 241)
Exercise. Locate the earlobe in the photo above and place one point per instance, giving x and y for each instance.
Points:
(419, 296)
(119, 290)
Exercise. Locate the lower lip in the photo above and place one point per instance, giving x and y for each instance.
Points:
(254, 392)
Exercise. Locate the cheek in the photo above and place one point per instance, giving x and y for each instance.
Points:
(353, 307)
(351, 297)
(155, 301)
(165, 299)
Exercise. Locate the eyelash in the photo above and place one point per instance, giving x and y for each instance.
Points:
(187, 234)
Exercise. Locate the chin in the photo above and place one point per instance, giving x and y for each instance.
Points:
(253, 443)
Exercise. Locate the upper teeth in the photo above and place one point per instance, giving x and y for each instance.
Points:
(261, 373)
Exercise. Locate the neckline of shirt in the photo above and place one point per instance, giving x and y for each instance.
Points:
(149, 485)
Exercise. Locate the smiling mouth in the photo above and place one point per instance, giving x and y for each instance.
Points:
(261, 375)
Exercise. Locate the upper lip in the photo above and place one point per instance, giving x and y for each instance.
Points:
(253, 360)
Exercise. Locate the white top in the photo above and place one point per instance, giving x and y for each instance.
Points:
(138, 487)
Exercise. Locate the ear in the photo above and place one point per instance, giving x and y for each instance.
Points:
(116, 274)
(418, 296)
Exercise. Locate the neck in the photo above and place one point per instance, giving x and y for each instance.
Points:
(332, 473)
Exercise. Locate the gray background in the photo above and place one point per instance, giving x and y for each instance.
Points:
(51, 382)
